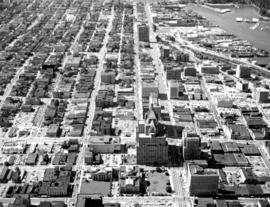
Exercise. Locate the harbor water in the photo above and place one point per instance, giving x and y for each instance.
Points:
(258, 35)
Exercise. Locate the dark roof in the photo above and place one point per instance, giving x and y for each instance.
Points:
(45, 204)
(248, 173)
(54, 188)
(248, 190)
(230, 159)
(240, 131)
(58, 204)
(205, 202)
(264, 203)
(230, 147)
(250, 150)
(216, 146)
(111, 204)
(234, 204)
(31, 158)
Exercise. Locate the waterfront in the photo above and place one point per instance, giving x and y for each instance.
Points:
(259, 38)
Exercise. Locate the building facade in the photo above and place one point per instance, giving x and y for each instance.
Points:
(143, 33)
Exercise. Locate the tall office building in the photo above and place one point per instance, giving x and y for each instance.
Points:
(191, 146)
(261, 95)
(242, 86)
(143, 33)
(242, 71)
(152, 150)
(165, 52)
(202, 182)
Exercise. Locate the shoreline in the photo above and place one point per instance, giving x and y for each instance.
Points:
(226, 4)
(213, 8)
(253, 27)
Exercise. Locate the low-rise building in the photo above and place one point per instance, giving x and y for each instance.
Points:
(149, 87)
(104, 145)
(53, 130)
(108, 77)
(31, 159)
(17, 147)
(190, 71)
(177, 89)
(129, 179)
(209, 69)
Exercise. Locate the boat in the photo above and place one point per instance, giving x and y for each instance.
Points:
(223, 11)
(247, 20)
(255, 26)
(262, 53)
(255, 20)
(239, 19)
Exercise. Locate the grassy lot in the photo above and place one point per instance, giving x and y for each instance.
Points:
(158, 183)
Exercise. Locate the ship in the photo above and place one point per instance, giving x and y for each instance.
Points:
(253, 20)
(262, 53)
(239, 19)
(223, 11)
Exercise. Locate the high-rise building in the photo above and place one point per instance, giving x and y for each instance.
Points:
(149, 127)
(242, 86)
(202, 182)
(242, 72)
(261, 95)
(143, 31)
(191, 146)
(152, 150)
(190, 71)
(165, 53)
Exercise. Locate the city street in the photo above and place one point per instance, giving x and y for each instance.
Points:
(99, 99)
(155, 52)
